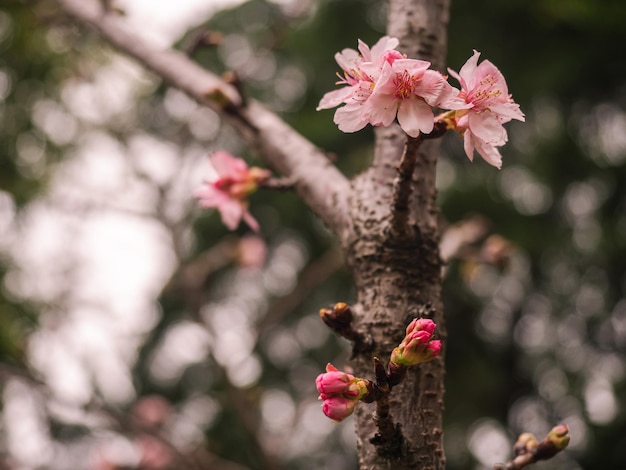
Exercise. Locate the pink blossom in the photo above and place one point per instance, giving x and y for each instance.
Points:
(489, 106)
(408, 90)
(360, 71)
(226, 189)
(417, 345)
(382, 85)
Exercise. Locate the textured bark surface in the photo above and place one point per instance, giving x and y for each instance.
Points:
(398, 278)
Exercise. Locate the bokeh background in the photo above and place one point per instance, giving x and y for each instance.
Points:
(137, 332)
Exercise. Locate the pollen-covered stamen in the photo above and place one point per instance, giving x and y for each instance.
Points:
(363, 91)
(487, 90)
(404, 85)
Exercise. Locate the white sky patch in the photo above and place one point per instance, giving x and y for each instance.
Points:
(163, 21)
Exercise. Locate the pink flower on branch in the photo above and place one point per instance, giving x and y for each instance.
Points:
(360, 72)
(417, 345)
(340, 392)
(382, 85)
(489, 106)
(228, 185)
(408, 90)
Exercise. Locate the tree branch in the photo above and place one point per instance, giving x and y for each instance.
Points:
(318, 182)
(402, 189)
(528, 451)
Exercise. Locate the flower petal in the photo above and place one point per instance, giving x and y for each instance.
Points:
(468, 145)
(350, 118)
(415, 115)
(486, 126)
(335, 98)
(226, 164)
(468, 69)
(251, 221)
(231, 212)
(489, 153)
(507, 111)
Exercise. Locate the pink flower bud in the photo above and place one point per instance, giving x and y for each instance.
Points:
(338, 408)
(333, 383)
(418, 345)
(421, 324)
(340, 392)
(336, 383)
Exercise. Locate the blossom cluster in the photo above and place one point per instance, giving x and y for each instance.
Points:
(340, 392)
(380, 85)
(229, 183)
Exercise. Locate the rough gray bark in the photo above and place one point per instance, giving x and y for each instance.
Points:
(397, 278)
(395, 261)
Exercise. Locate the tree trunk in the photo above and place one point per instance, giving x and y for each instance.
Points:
(399, 278)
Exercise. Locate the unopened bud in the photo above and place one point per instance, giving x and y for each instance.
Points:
(339, 319)
(526, 442)
(338, 408)
(418, 345)
(559, 437)
(556, 440)
(340, 392)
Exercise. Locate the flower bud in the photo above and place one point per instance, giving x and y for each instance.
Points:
(338, 319)
(559, 437)
(526, 442)
(418, 345)
(338, 408)
(337, 383)
(340, 392)
(421, 324)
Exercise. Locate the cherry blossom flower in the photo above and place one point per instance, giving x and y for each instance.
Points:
(360, 71)
(228, 185)
(408, 90)
(489, 106)
(340, 392)
(381, 85)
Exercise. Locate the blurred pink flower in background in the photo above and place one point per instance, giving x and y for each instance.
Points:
(227, 187)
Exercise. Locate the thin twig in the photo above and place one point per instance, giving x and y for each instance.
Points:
(529, 451)
(402, 189)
